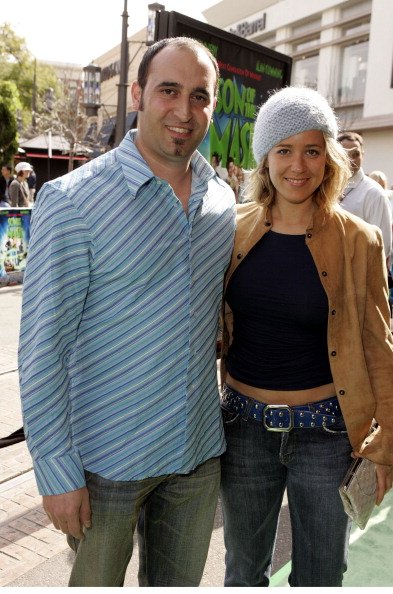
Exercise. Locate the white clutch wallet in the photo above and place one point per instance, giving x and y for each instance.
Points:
(358, 491)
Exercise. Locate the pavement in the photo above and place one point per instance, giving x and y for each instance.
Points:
(34, 554)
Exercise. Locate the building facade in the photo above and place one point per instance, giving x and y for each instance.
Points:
(342, 48)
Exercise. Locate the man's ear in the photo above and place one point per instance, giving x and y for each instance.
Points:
(136, 96)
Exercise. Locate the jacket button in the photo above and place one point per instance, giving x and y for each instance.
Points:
(341, 392)
(333, 312)
(239, 256)
(333, 353)
(324, 273)
(309, 235)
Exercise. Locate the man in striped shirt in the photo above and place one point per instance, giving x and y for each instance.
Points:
(118, 334)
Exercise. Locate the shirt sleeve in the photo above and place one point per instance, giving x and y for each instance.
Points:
(55, 287)
(379, 213)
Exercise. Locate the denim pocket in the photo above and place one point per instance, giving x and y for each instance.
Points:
(229, 417)
(339, 428)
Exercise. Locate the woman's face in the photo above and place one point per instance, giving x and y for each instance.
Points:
(297, 166)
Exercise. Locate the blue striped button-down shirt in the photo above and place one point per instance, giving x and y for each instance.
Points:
(119, 319)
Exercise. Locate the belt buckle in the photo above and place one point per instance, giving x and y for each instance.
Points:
(275, 407)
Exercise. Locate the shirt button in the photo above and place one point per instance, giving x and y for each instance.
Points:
(341, 392)
(333, 312)
(239, 256)
(333, 353)
(324, 273)
(309, 235)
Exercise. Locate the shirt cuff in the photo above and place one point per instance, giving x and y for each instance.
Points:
(59, 475)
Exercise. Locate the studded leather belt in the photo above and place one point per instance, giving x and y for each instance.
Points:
(281, 417)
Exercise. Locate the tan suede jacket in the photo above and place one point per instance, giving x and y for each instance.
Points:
(348, 254)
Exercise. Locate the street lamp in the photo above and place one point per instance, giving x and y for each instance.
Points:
(91, 89)
(151, 21)
(92, 74)
(123, 82)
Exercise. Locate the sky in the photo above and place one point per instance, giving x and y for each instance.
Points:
(77, 31)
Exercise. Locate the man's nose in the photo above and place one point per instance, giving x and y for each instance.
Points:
(183, 109)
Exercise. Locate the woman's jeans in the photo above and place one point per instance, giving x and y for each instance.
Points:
(178, 513)
(256, 468)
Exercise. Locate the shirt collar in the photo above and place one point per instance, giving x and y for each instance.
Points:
(137, 172)
(354, 181)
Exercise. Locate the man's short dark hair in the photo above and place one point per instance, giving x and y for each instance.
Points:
(7, 167)
(352, 136)
(180, 42)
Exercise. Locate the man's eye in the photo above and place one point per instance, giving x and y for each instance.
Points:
(200, 98)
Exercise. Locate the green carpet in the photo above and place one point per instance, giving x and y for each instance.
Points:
(370, 561)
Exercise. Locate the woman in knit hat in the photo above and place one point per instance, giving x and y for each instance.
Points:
(307, 359)
(19, 189)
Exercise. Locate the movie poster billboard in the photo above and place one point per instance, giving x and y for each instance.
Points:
(14, 240)
(248, 73)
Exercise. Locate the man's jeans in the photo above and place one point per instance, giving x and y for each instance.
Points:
(178, 521)
(256, 468)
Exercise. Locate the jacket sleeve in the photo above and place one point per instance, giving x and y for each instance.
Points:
(55, 287)
(378, 349)
(13, 192)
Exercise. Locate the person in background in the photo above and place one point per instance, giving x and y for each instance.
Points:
(363, 196)
(118, 334)
(216, 164)
(32, 183)
(5, 180)
(4, 203)
(241, 178)
(231, 178)
(18, 189)
(381, 178)
(307, 361)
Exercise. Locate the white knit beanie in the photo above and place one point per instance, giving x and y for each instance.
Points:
(290, 111)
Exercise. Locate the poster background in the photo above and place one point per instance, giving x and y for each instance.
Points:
(249, 72)
(14, 240)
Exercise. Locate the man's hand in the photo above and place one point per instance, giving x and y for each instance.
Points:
(69, 512)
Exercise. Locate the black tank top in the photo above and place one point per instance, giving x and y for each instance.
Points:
(280, 312)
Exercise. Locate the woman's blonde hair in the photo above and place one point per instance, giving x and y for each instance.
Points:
(337, 173)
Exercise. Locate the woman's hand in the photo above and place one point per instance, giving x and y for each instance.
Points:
(384, 481)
